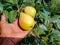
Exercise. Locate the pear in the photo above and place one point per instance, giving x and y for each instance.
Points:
(26, 22)
(30, 11)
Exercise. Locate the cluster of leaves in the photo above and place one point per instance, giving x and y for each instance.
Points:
(47, 29)
(9, 8)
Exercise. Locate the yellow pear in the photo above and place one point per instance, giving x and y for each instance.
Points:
(26, 22)
(30, 11)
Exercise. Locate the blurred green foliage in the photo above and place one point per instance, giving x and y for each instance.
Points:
(47, 29)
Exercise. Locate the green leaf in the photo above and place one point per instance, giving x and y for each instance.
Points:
(45, 17)
(39, 30)
(46, 10)
(28, 2)
(56, 2)
(1, 8)
(55, 6)
(12, 1)
(51, 39)
(12, 16)
(44, 28)
(39, 1)
(55, 17)
(6, 14)
(58, 23)
(56, 35)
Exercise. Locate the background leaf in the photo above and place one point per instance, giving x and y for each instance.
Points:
(12, 1)
(1, 8)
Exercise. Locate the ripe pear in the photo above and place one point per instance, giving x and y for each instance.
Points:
(26, 22)
(30, 11)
